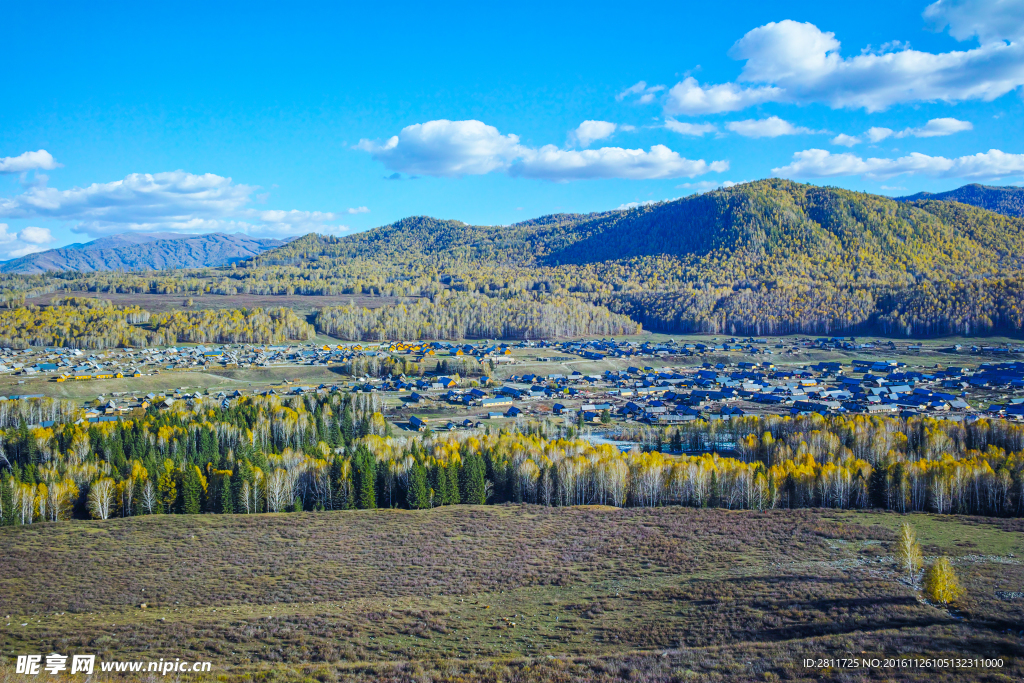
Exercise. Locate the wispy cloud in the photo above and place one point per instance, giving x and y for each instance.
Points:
(644, 94)
(820, 163)
(695, 129)
(771, 127)
(933, 129)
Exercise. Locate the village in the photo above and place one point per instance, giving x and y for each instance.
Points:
(446, 386)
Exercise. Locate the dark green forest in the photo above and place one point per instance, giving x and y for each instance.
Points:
(1005, 200)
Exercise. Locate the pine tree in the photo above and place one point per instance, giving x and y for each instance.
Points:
(877, 487)
(334, 436)
(348, 430)
(7, 515)
(336, 502)
(191, 491)
(236, 488)
(676, 442)
(364, 470)
(471, 480)
(417, 495)
(227, 505)
(447, 485)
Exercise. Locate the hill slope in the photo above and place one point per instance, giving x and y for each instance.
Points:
(771, 256)
(135, 252)
(764, 231)
(1005, 200)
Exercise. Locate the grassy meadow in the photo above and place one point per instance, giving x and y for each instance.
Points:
(510, 593)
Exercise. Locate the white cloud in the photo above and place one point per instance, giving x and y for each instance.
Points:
(989, 20)
(357, 209)
(934, 128)
(819, 163)
(172, 201)
(937, 128)
(455, 148)
(140, 201)
(34, 235)
(645, 94)
(699, 187)
(635, 205)
(703, 186)
(551, 163)
(795, 62)
(877, 134)
(26, 241)
(845, 140)
(684, 128)
(771, 127)
(278, 222)
(40, 160)
(689, 98)
(588, 131)
(446, 148)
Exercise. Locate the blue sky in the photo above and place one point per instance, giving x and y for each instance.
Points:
(276, 120)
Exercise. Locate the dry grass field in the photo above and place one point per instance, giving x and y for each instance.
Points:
(510, 593)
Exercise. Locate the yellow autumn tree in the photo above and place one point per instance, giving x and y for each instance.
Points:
(941, 583)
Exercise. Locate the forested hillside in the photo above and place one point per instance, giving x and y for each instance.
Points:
(1004, 200)
(771, 256)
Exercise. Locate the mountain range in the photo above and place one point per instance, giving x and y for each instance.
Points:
(765, 231)
(766, 257)
(1008, 201)
(683, 228)
(138, 252)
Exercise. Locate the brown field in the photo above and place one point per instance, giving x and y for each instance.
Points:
(511, 593)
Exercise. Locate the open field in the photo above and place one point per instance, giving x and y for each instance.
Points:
(215, 379)
(511, 593)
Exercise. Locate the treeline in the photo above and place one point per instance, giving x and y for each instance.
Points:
(328, 451)
(79, 323)
(233, 326)
(779, 310)
(473, 316)
(965, 307)
(89, 323)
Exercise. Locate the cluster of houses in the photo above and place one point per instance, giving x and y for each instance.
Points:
(667, 395)
(68, 365)
(680, 382)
